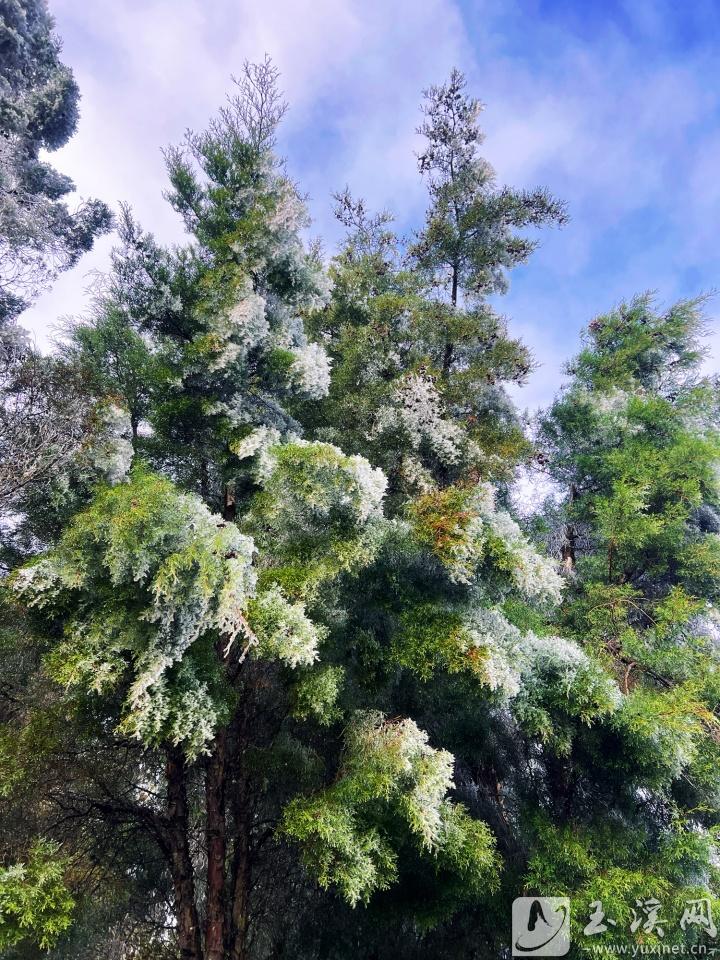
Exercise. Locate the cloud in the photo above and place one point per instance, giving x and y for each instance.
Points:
(148, 70)
(615, 107)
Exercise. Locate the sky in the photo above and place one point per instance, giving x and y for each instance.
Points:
(614, 105)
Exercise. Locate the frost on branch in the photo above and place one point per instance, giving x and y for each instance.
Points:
(110, 452)
(242, 328)
(388, 767)
(416, 413)
(311, 487)
(466, 532)
(283, 630)
(147, 572)
(538, 675)
(483, 549)
(310, 370)
(318, 511)
(153, 582)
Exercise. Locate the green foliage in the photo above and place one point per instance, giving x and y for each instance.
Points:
(35, 903)
(316, 695)
(420, 358)
(607, 864)
(283, 630)
(634, 437)
(388, 770)
(141, 577)
(227, 667)
(316, 513)
(468, 241)
(631, 346)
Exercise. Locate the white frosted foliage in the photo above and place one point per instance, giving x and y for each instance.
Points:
(311, 370)
(535, 575)
(284, 630)
(396, 756)
(111, 451)
(521, 664)
(310, 481)
(417, 411)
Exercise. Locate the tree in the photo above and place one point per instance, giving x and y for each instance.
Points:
(215, 640)
(296, 682)
(39, 98)
(47, 414)
(420, 358)
(44, 415)
(468, 243)
(634, 441)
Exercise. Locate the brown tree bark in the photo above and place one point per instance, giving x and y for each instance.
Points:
(181, 862)
(216, 849)
(239, 907)
(229, 502)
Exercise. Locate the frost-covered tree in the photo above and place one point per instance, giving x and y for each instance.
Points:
(420, 355)
(44, 414)
(632, 803)
(47, 414)
(39, 234)
(282, 674)
(197, 618)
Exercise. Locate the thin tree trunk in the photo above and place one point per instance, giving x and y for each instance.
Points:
(239, 886)
(239, 911)
(216, 849)
(229, 502)
(204, 480)
(448, 354)
(568, 549)
(182, 869)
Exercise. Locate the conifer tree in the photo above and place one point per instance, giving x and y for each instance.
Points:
(46, 412)
(420, 357)
(632, 810)
(39, 98)
(278, 662)
(200, 625)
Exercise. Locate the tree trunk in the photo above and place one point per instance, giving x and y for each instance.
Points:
(238, 905)
(216, 849)
(229, 502)
(188, 926)
(134, 426)
(204, 480)
(239, 913)
(448, 353)
(568, 548)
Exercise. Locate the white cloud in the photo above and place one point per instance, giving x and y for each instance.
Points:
(352, 72)
(611, 120)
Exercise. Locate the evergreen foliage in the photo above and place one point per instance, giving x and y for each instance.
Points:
(282, 674)
(39, 98)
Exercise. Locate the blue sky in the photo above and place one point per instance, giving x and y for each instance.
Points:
(612, 104)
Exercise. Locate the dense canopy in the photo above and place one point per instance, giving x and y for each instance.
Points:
(287, 668)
